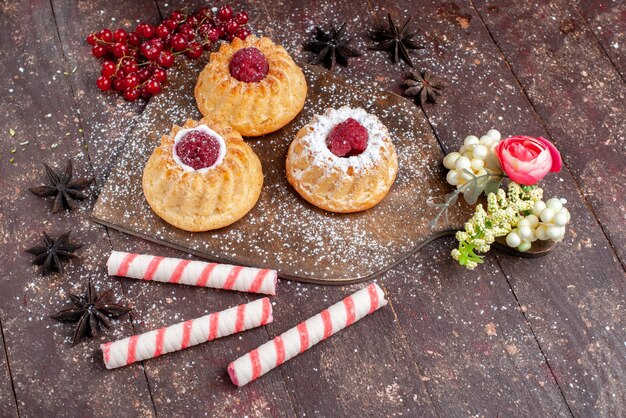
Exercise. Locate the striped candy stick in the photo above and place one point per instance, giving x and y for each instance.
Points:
(306, 334)
(194, 273)
(186, 334)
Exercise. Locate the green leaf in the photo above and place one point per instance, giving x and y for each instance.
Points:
(493, 185)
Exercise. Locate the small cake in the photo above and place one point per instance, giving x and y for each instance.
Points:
(202, 176)
(254, 85)
(342, 161)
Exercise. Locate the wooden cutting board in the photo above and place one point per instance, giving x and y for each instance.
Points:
(283, 231)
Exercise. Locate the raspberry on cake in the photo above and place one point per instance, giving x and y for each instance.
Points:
(253, 85)
(342, 161)
(248, 65)
(198, 149)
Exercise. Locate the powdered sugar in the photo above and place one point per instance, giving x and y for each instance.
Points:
(321, 125)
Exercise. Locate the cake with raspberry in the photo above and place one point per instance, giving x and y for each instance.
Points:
(342, 161)
(253, 85)
(203, 176)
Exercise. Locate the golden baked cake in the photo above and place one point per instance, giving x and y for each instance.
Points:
(342, 161)
(254, 85)
(202, 176)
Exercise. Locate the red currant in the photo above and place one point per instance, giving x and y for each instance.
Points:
(205, 12)
(242, 33)
(194, 51)
(133, 39)
(171, 24)
(179, 42)
(106, 35)
(131, 81)
(207, 46)
(193, 21)
(153, 87)
(159, 75)
(241, 18)
(230, 37)
(118, 84)
(231, 27)
(103, 83)
(129, 65)
(144, 93)
(213, 35)
(187, 31)
(149, 51)
(162, 31)
(131, 94)
(225, 13)
(120, 50)
(91, 39)
(145, 30)
(120, 35)
(165, 59)
(98, 51)
(143, 74)
(176, 16)
(108, 68)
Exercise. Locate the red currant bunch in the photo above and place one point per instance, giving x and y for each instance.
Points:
(135, 63)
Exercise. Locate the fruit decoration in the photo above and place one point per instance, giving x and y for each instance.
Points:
(91, 312)
(65, 190)
(331, 47)
(424, 86)
(135, 63)
(395, 39)
(520, 214)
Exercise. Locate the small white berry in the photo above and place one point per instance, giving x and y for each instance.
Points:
(470, 140)
(533, 220)
(554, 204)
(466, 176)
(538, 207)
(462, 163)
(450, 159)
(480, 151)
(477, 164)
(546, 215)
(481, 172)
(541, 233)
(453, 177)
(533, 236)
(524, 246)
(566, 212)
(513, 240)
(564, 201)
(554, 233)
(525, 232)
(494, 134)
(524, 223)
(560, 219)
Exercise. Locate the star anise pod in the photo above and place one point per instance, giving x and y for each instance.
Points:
(91, 312)
(424, 86)
(52, 254)
(331, 47)
(395, 39)
(65, 190)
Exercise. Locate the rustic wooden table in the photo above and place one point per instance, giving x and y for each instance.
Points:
(514, 337)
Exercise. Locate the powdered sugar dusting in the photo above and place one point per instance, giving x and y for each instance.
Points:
(321, 125)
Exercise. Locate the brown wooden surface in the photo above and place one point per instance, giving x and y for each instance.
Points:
(514, 337)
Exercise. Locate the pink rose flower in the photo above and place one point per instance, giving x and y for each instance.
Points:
(527, 160)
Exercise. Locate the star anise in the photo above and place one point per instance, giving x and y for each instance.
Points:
(65, 190)
(424, 86)
(331, 47)
(52, 254)
(91, 312)
(395, 39)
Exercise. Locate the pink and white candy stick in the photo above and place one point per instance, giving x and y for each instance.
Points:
(306, 334)
(194, 273)
(186, 334)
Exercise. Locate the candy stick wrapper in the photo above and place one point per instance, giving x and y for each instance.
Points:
(185, 334)
(194, 273)
(306, 334)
